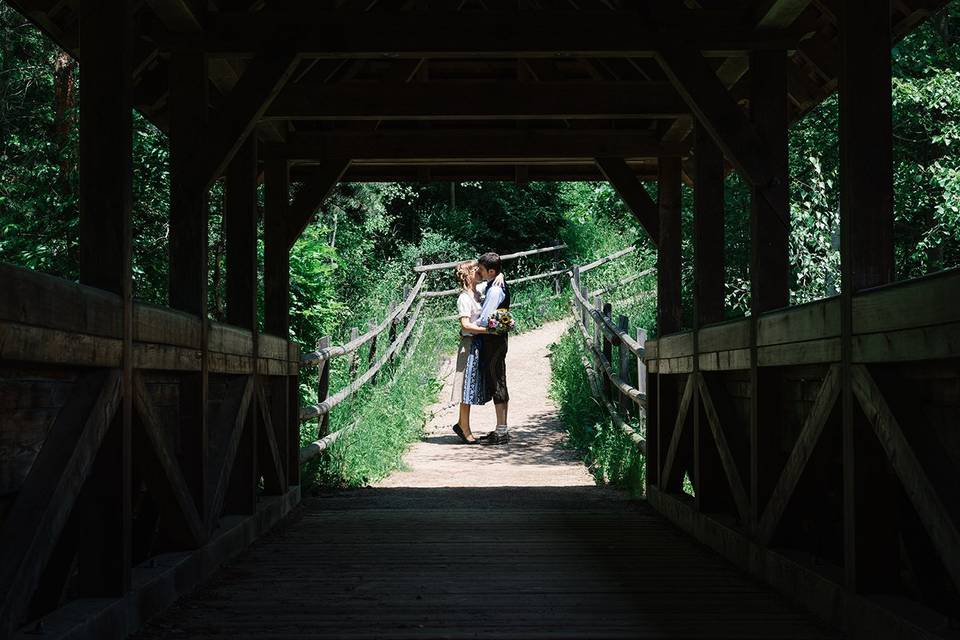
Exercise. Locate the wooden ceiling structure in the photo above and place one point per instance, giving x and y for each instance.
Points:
(560, 83)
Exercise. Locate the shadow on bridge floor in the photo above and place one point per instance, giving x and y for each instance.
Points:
(495, 562)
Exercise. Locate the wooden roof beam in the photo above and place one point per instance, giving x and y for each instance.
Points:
(452, 146)
(321, 182)
(624, 181)
(575, 34)
(724, 120)
(478, 101)
(245, 105)
(779, 14)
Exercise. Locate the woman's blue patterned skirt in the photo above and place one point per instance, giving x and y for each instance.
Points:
(469, 371)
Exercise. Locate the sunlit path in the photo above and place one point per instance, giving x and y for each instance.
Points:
(534, 457)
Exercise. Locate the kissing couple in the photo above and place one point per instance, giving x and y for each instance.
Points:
(483, 309)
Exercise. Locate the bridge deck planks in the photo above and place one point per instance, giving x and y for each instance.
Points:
(562, 562)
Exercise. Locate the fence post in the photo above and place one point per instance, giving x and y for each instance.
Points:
(323, 388)
(583, 312)
(354, 334)
(623, 324)
(576, 278)
(641, 365)
(607, 352)
(556, 285)
(392, 335)
(371, 325)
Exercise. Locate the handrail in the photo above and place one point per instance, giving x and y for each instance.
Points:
(520, 254)
(539, 276)
(625, 388)
(612, 331)
(324, 407)
(321, 355)
(624, 281)
(606, 259)
(595, 388)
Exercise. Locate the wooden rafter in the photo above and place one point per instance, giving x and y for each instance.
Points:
(477, 101)
(263, 79)
(312, 195)
(632, 192)
(440, 146)
(578, 34)
(724, 120)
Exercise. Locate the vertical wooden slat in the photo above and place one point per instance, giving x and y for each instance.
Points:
(769, 265)
(354, 334)
(607, 347)
(240, 231)
(866, 249)
(276, 255)
(708, 225)
(372, 355)
(623, 323)
(188, 251)
(106, 178)
(669, 305)
(323, 389)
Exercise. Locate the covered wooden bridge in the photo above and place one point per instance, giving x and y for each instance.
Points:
(141, 447)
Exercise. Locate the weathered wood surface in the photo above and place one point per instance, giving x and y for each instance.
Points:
(474, 562)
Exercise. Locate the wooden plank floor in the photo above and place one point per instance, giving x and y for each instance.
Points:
(483, 542)
(550, 562)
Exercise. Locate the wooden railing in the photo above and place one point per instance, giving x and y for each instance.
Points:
(623, 395)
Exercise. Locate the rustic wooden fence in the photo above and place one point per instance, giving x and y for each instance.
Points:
(619, 384)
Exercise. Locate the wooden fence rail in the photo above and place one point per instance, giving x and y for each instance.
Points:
(507, 256)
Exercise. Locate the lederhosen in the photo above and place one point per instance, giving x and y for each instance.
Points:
(494, 359)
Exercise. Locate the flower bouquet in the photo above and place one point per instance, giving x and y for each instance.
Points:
(501, 322)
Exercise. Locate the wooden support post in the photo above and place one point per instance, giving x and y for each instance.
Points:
(708, 224)
(584, 316)
(276, 285)
(607, 352)
(625, 182)
(352, 370)
(769, 267)
(642, 380)
(372, 356)
(240, 230)
(106, 177)
(576, 278)
(669, 305)
(188, 252)
(866, 249)
(276, 252)
(623, 323)
(323, 388)
(392, 333)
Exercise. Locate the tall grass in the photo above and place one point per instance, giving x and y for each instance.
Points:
(609, 453)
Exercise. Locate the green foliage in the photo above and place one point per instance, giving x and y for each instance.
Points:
(609, 453)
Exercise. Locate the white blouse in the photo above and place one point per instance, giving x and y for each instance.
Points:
(468, 307)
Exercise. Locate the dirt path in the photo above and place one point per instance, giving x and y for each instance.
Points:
(534, 457)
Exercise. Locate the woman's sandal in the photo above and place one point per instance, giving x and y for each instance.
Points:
(457, 430)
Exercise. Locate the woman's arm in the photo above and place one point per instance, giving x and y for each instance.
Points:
(469, 327)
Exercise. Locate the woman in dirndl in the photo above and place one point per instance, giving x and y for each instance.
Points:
(468, 385)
